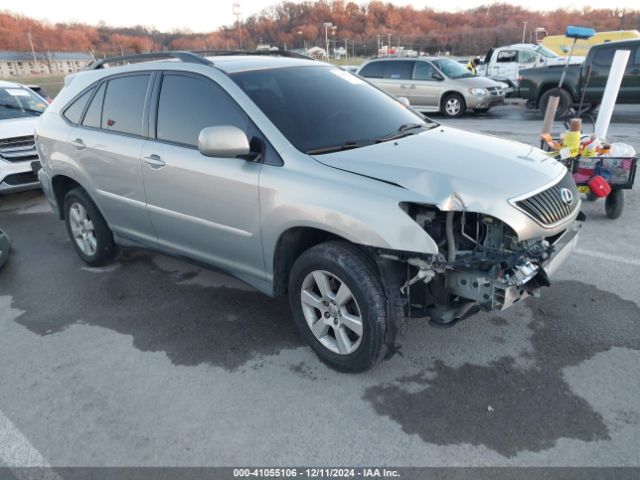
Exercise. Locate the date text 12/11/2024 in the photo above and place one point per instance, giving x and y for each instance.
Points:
(316, 472)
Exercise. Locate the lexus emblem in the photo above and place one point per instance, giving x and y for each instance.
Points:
(566, 195)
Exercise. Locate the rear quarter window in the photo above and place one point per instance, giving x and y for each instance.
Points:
(73, 112)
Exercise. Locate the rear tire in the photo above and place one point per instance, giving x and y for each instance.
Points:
(453, 105)
(614, 204)
(87, 229)
(563, 105)
(339, 306)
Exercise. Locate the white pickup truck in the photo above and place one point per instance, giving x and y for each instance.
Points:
(504, 63)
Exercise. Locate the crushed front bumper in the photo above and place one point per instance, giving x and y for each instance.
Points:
(523, 280)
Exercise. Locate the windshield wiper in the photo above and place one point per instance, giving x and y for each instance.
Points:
(404, 130)
(335, 148)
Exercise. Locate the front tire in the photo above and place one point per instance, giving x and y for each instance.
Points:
(87, 229)
(339, 305)
(453, 105)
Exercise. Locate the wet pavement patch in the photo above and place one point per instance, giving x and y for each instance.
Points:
(508, 408)
(192, 324)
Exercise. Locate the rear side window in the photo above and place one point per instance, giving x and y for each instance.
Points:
(636, 61)
(94, 112)
(189, 104)
(423, 71)
(73, 113)
(124, 104)
(373, 70)
(506, 56)
(398, 70)
(604, 57)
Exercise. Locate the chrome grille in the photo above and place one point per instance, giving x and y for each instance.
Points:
(548, 207)
(495, 90)
(18, 149)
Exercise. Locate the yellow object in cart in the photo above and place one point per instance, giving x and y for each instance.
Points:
(572, 137)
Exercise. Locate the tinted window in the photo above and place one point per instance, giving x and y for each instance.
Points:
(189, 104)
(92, 117)
(398, 70)
(321, 107)
(373, 70)
(604, 57)
(73, 113)
(423, 71)
(124, 104)
(636, 61)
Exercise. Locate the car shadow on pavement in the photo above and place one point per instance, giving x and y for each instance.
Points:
(162, 310)
(507, 407)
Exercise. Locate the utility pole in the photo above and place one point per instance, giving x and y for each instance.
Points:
(378, 52)
(236, 12)
(300, 37)
(388, 41)
(327, 25)
(346, 49)
(35, 60)
(524, 30)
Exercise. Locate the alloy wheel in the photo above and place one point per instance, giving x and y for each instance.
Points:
(82, 229)
(332, 312)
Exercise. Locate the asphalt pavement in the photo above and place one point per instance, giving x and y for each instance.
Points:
(155, 362)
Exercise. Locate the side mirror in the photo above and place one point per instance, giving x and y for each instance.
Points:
(405, 101)
(437, 76)
(223, 142)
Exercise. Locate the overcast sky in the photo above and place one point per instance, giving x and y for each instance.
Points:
(199, 16)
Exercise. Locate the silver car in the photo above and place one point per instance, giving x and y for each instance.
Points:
(434, 84)
(298, 177)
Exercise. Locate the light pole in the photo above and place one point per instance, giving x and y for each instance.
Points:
(236, 12)
(333, 38)
(300, 38)
(327, 25)
(524, 30)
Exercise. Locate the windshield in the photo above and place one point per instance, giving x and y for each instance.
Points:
(319, 108)
(18, 102)
(451, 68)
(545, 52)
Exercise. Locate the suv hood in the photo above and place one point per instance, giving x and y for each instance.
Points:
(18, 127)
(443, 163)
(477, 82)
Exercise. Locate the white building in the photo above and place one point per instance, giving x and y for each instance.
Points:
(17, 64)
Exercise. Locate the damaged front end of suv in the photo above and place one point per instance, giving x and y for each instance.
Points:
(482, 263)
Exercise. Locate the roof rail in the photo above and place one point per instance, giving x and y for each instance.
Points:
(275, 53)
(187, 57)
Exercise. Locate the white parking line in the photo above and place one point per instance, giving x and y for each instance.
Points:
(16, 451)
(607, 256)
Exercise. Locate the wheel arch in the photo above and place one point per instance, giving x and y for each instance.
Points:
(61, 185)
(292, 243)
(449, 92)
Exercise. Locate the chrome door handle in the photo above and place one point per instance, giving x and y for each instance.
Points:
(78, 143)
(154, 161)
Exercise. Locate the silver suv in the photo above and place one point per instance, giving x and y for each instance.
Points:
(299, 177)
(434, 84)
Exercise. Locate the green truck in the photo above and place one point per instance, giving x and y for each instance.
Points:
(537, 85)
